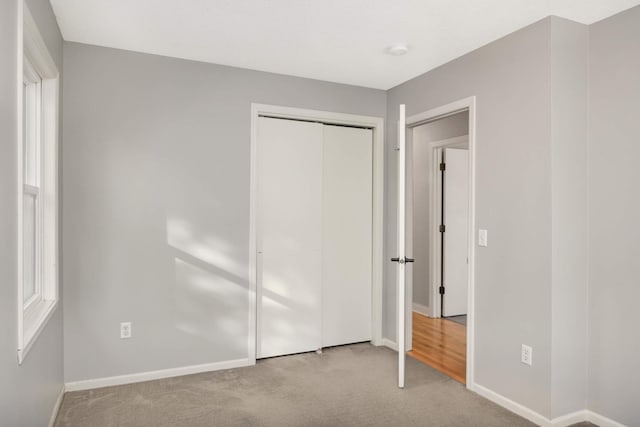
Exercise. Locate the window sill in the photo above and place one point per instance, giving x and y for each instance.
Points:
(35, 320)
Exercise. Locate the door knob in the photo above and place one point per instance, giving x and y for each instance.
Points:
(402, 260)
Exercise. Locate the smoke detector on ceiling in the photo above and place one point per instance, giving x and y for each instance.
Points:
(397, 49)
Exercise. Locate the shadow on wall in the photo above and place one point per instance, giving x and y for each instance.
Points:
(209, 295)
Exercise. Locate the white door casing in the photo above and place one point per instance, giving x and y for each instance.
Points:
(401, 254)
(430, 115)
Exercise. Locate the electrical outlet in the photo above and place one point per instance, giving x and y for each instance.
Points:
(125, 330)
(527, 355)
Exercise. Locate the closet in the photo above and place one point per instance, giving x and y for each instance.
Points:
(314, 235)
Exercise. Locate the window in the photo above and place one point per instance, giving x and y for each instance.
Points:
(31, 203)
(38, 187)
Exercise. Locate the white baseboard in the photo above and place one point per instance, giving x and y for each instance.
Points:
(541, 420)
(569, 419)
(601, 420)
(155, 375)
(391, 344)
(585, 415)
(56, 407)
(523, 411)
(422, 309)
(509, 404)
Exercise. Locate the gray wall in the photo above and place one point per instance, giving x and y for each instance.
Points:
(156, 207)
(156, 204)
(511, 80)
(569, 55)
(27, 392)
(556, 188)
(614, 208)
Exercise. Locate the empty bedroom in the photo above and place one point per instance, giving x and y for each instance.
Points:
(319, 213)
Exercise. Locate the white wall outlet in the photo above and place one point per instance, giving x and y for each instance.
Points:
(482, 237)
(527, 355)
(125, 330)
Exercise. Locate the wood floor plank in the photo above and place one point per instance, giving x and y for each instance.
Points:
(441, 344)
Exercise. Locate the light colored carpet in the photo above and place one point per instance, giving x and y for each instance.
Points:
(352, 385)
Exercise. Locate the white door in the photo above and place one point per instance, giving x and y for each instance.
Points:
(289, 241)
(456, 216)
(401, 259)
(346, 235)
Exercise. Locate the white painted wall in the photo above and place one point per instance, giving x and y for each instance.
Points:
(155, 146)
(537, 180)
(614, 210)
(28, 392)
(156, 158)
(511, 81)
(569, 229)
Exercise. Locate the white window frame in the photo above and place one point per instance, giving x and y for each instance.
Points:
(36, 66)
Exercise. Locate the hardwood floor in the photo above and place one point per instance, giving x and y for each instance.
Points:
(441, 344)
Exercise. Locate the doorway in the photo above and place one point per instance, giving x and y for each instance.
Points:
(439, 236)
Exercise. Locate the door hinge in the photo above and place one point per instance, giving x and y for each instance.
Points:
(442, 228)
(441, 290)
(443, 166)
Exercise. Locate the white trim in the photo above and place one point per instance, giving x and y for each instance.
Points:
(420, 308)
(50, 187)
(509, 404)
(541, 420)
(253, 244)
(471, 298)
(20, 180)
(32, 47)
(35, 48)
(569, 419)
(155, 375)
(601, 420)
(430, 115)
(375, 123)
(390, 344)
(441, 112)
(43, 313)
(56, 407)
(434, 228)
(401, 287)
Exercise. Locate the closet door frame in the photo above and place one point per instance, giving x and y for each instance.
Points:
(326, 117)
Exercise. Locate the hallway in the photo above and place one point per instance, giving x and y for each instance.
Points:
(441, 344)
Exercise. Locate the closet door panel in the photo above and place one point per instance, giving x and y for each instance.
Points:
(346, 235)
(289, 209)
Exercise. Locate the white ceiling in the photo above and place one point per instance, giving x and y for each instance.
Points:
(335, 40)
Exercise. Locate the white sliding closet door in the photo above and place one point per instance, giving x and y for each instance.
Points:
(289, 209)
(346, 235)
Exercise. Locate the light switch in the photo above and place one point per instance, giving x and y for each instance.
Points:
(482, 237)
